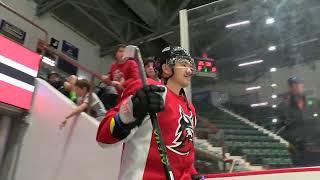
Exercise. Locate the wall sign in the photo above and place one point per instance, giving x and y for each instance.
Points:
(71, 51)
(12, 32)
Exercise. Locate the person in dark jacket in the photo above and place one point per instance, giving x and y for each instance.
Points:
(299, 125)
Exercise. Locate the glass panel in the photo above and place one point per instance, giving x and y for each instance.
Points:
(257, 85)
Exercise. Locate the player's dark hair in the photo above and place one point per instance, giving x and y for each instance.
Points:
(83, 83)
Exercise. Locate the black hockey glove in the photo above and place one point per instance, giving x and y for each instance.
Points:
(146, 100)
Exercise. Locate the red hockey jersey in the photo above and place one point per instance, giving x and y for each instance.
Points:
(140, 158)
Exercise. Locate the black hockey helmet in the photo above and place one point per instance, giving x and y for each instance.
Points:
(170, 56)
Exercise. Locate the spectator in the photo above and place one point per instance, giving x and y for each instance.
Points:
(54, 79)
(97, 109)
(150, 70)
(66, 88)
(122, 70)
(298, 125)
(69, 86)
(107, 94)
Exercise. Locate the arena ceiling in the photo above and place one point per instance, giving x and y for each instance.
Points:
(111, 22)
(154, 24)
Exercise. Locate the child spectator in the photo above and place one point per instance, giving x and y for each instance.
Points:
(122, 70)
(97, 109)
(69, 86)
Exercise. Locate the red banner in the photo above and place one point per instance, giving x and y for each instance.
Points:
(19, 67)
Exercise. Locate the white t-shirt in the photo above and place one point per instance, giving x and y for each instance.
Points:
(97, 109)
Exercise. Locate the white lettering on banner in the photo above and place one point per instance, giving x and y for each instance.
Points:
(16, 82)
(18, 66)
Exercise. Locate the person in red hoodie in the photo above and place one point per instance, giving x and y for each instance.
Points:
(130, 123)
(122, 70)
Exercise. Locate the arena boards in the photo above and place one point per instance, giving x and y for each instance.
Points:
(310, 173)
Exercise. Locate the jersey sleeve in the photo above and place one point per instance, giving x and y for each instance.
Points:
(110, 130)
(110, 73)
(133, 71)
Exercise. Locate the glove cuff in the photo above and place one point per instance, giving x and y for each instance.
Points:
(126, 112)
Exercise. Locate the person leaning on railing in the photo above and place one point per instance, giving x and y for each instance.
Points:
(82, 90)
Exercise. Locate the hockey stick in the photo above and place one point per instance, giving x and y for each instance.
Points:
(132, 52)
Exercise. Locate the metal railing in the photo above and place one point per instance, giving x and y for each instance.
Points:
(220, 143)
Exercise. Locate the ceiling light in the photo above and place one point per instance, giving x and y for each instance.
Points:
(274, 106)
(272, 48)
(274, 120)
(270, 20)
(274, 96)
(253, 88)
(237, 24)
(273, 69)
(274, 85)
(259, 104)
(250, 63)
(315, 115)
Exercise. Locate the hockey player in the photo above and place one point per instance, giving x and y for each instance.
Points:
(129, 122)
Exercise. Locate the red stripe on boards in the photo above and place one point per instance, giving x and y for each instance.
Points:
(19, 54)
(15, 96)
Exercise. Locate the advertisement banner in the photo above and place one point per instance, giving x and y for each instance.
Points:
(18, 69)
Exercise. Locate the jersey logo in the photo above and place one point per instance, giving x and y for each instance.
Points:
(183, 142)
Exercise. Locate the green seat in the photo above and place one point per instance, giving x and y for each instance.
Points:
(244, 138)
(242, 132)
(266, 152)
(225, 122)
(277, 161)
(234, 126)
(256, 145)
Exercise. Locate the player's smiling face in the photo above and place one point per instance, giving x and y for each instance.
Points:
(183, 71)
